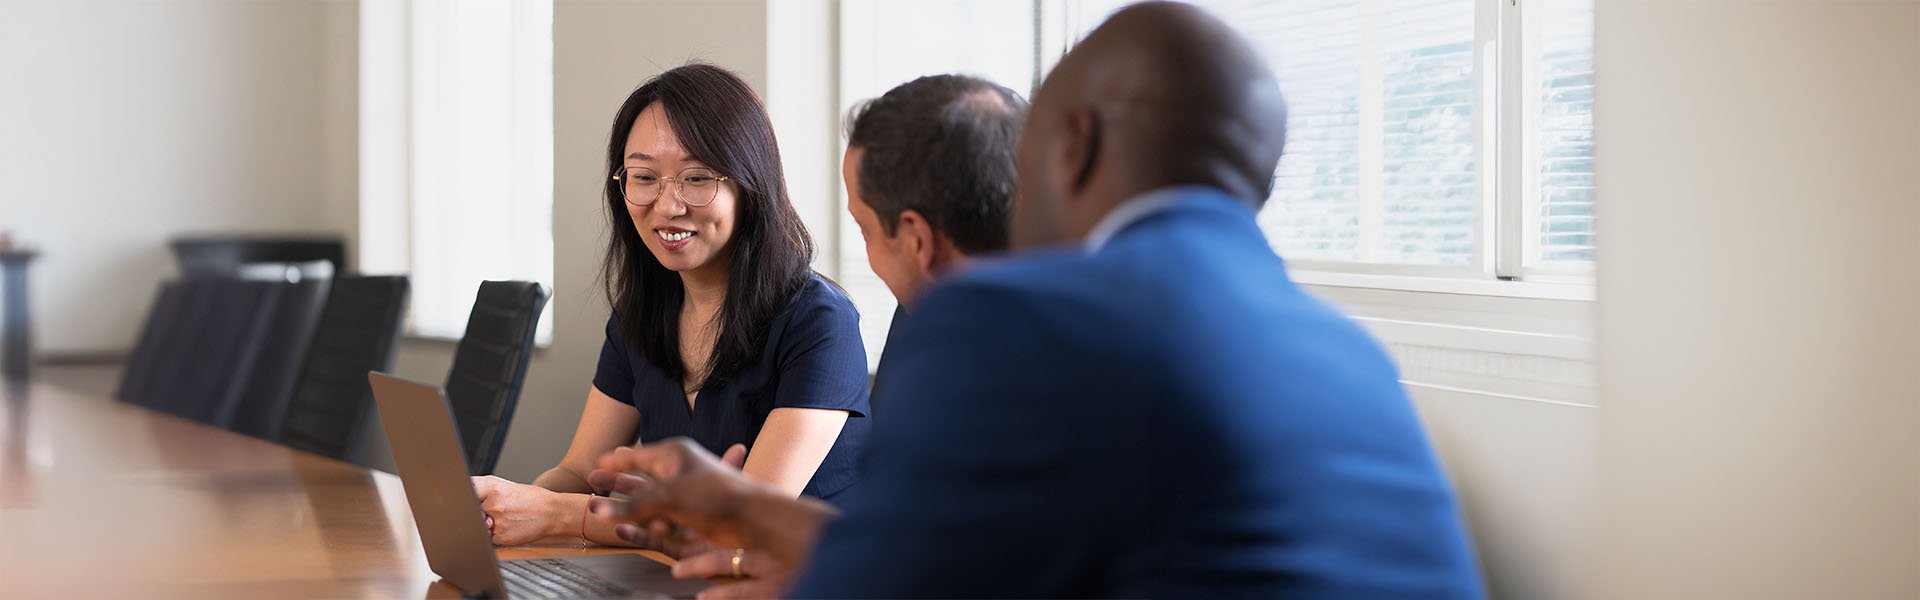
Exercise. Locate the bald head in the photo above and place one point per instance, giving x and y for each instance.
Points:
(1160, 94)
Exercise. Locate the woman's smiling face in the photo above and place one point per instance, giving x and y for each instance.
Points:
(681, 236)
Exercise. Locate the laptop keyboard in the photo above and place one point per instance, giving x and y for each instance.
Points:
(555, 578)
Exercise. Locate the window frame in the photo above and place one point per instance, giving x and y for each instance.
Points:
(1537, 298)
(1507, 83)
(1507, 102)
(398, 72)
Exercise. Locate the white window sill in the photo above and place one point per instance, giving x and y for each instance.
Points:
(1520, 340)
(415, 336)
(539, 344)
(1555, 290)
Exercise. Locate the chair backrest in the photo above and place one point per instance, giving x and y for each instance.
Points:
(195, 351)
(172, 377)
(226, 339)
(164, 327)
(490, 365)
(289, 335)
(225, 254)
(359, 327)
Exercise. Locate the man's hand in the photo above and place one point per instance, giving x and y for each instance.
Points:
(761, 576)
(657, 534)
(680, 483)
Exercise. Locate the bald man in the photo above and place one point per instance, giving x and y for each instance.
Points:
(1141, 405)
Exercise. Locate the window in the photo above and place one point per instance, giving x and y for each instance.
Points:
(457, 150)
(1436, 138)
(1432, 144)
(1564, 218)
(884, 43)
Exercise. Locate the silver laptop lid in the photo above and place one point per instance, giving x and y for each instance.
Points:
(426, 449)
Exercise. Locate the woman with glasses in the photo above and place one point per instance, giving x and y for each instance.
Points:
(720, 330)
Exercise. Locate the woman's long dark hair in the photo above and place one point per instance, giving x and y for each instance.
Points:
(723, 125)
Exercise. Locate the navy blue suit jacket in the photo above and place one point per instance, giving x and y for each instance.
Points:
(1166, 417)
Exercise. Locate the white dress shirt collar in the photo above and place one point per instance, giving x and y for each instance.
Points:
(1136, 209)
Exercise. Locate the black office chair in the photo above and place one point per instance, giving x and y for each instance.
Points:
(164, 374)
(289, 334)
(357, 333)
(490, 365)
(227, 336)
(148, 359)
(218, 255)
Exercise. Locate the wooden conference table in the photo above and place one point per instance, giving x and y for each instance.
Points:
(104, 499)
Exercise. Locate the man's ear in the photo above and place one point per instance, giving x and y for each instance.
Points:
(916, 237)
(1081, 150)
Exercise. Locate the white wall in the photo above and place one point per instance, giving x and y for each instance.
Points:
(1758, 334)
(1505, 388)
(123, 123)
(802, 96)
(602, 51)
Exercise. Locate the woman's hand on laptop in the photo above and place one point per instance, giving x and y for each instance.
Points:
(518, 513)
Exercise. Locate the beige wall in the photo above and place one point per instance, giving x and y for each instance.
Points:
(123, 123)
(1759, 397)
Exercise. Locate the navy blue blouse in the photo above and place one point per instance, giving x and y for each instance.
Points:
(814, 358)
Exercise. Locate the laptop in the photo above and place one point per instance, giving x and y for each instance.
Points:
(453, 530)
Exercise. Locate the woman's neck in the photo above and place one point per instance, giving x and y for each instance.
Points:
(706, 288)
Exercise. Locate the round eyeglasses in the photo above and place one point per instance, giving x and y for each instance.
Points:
(696, 186)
